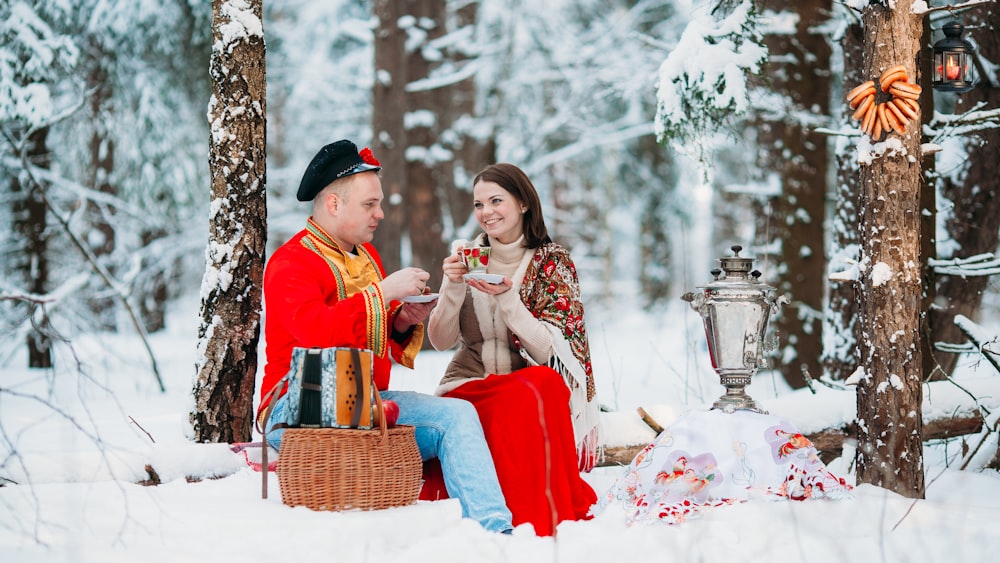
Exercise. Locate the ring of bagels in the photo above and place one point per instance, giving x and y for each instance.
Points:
(876, 118)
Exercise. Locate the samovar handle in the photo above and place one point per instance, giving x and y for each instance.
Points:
(696, 300)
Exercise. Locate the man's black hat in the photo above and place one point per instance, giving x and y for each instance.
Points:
(333, 161)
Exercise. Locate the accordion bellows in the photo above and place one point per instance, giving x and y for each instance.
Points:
(330, 388)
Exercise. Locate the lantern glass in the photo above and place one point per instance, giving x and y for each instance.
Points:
(952, 61)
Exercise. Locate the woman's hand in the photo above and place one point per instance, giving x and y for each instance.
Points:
(453, 268)
(491, 288)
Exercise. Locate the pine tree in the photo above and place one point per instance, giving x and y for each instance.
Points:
(889, 395)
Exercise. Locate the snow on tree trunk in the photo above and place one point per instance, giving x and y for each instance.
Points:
(890, 444)
(231, 287)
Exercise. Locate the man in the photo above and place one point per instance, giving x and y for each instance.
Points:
(326, 287)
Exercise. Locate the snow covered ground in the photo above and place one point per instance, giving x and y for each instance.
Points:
(76, 441)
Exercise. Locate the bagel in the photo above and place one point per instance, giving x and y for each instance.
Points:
(891, 76)
(914, 105)
(856, 100)
(857, 90)
(869, 120)
(862, 109)
(880, 111)
(893, 122)
(906, 108)
(908, 87)
(897, 120)
(905, 90)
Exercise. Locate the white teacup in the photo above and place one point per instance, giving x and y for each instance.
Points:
(476, 258)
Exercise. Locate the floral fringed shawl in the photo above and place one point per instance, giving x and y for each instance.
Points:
(551, 291)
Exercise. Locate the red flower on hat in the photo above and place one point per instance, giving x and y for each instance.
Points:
(367, 156)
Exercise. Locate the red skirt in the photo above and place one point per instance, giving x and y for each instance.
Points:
(529, 429)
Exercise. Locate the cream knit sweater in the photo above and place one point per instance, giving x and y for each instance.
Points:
(482, 324)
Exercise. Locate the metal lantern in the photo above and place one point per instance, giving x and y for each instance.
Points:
(735, 308)
(952, 63)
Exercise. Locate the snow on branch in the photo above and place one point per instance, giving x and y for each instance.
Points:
(921, 7)
(979, 265)
(981, 338)
(69, 287)
(972, 121)
(703, 82)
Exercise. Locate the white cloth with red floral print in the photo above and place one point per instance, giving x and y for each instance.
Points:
(712, 458)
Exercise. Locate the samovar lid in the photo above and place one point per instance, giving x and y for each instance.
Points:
(735, 265)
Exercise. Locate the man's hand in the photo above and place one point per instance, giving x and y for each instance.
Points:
(410, 314)
(408, 281)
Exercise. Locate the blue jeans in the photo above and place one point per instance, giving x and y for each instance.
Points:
(449, 430)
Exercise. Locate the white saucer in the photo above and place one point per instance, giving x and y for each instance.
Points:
(488, 278)
(422, 298)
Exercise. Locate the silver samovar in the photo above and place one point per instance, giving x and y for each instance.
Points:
(735, 307)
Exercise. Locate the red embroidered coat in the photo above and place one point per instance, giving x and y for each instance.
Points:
(312, 299)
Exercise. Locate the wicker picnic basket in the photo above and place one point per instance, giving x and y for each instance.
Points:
(344, 469)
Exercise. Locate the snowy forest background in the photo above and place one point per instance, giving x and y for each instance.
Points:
(104, 175)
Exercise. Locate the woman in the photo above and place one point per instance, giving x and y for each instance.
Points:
(523, 358)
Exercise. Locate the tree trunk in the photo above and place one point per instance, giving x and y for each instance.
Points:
(231, 288)
(423, 160)
(657, 227)
(840, 357)
(30, 224)
(102, 237)
(430, 111)
(890, 446)
(153, 294)
(974, 190)
(471, 152)
(390, 139)
(798, 71)
(928, 210)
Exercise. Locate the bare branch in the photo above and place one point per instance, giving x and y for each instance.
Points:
(139, 426)
(89, 257)
(28, 297)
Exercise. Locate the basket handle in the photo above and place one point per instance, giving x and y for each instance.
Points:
(380, 414)
(358, 374)
(271, 400)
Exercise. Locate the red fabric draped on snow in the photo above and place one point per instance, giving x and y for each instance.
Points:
(526, 418)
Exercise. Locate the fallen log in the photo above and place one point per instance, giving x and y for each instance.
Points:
(830, 441)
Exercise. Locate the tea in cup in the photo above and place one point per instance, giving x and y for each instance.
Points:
(476, 258)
